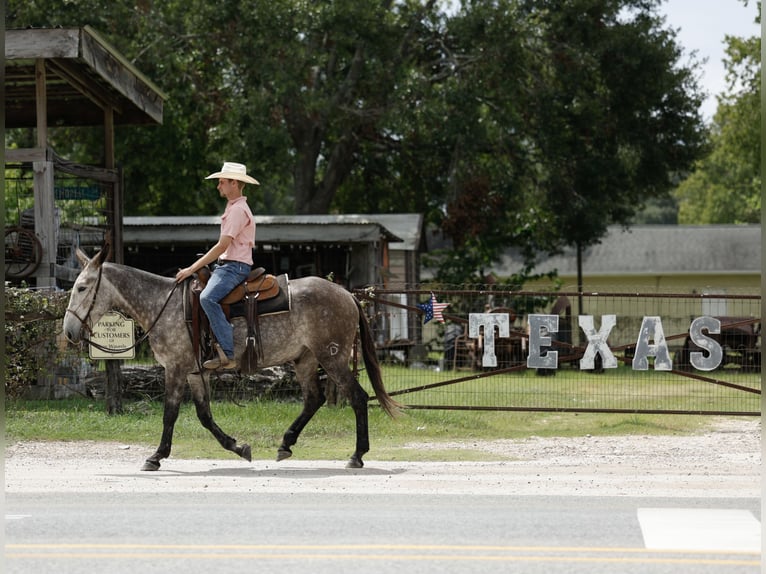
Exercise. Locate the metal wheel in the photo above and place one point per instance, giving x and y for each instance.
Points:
(23, 252)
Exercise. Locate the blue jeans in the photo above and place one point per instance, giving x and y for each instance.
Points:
(224, 278)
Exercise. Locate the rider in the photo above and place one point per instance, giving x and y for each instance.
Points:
(234, 254)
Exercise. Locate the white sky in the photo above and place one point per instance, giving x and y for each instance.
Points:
(703, 25)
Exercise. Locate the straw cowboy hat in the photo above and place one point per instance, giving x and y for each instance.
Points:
(231, 170)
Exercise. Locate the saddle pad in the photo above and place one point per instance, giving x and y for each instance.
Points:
(278, 304)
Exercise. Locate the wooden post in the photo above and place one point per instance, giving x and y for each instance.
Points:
(45, 222)
(113, 391)
(44, 209)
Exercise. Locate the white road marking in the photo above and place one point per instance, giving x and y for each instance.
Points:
(700, 529)
(16, 516)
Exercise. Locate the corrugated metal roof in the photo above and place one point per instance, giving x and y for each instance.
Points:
(402, 230)
(658, 249)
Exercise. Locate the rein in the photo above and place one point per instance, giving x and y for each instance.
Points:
(141, 339)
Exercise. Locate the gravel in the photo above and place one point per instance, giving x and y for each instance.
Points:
(724, 461)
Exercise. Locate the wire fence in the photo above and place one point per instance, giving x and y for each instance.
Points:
(495, 350)
(535, 351)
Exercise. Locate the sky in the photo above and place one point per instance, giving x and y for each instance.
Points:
(702, 25)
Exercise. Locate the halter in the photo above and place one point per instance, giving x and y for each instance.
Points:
(84, 320)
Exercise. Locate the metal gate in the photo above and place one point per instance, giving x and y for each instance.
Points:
(541, 351)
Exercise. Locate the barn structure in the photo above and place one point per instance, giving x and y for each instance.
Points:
(354, 250)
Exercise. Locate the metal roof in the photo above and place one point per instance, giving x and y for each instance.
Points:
(282, 229)
(658, 249)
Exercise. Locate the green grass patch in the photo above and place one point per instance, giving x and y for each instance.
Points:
(330, 435)
(621, 388)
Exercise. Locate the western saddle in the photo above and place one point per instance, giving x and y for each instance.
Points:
(259, 286)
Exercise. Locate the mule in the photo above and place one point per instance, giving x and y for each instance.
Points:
(319, 330)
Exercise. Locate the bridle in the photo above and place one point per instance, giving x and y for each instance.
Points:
(84, 321)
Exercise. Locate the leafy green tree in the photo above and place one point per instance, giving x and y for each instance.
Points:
(576, 112)
(726, 184)
(328, 75)
(615, 115)
(528, 123)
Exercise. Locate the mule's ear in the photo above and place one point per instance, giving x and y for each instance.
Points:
(82, 257)
(106, 250)
(101, 256)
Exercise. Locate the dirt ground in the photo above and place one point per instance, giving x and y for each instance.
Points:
(722, 462)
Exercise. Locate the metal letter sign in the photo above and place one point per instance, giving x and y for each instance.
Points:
(651, 341)
(651, 329)
(597, 342)
(715, 353)
(538, 324)
(113, 331)
(489, 321)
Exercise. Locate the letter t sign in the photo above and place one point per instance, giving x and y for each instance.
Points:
(489, 321)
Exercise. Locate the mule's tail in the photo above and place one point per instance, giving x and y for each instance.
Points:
(373, 368)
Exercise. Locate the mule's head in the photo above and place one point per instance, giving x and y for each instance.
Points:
(85, 306)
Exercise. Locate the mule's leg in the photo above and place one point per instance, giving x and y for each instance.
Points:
(339, 371)
(173, 396)
(201, 396)
(359, 398)
(313, 398)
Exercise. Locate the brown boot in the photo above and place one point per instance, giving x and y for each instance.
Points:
(220, 362)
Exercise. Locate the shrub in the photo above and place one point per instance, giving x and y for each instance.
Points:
(32, 327)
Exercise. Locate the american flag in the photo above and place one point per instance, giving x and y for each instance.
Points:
(433, 310)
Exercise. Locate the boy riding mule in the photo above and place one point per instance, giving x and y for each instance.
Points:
(319, 330)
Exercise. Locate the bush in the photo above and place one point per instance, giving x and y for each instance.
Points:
(32, 327)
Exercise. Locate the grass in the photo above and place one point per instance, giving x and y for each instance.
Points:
(330, 435)
(621, 388)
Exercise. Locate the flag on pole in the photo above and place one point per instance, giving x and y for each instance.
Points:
(433, 310)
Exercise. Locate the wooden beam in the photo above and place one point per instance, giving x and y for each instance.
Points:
(85, 85)
(25, 155)
(114, 210)
(41, 104)
(31, 43)
(84, 171)
(92, 71)
(121, 75)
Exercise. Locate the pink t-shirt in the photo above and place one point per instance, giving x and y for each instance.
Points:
(238, 223)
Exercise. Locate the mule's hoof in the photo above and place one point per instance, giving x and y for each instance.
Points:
(151, 465)
(246, 453)
(355, 462)
(283, 453)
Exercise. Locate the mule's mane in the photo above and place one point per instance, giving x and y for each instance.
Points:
(139, 274)
(141, 293)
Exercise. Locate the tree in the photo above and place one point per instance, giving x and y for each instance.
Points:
(599, 117)
(528, 123)
(725, 187)
(328, 75)
(615, 115)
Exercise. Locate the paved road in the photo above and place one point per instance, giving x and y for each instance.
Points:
(315, 516)
(332, 532)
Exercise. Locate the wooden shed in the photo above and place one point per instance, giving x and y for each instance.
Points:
(69, 77)
(358, 250)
